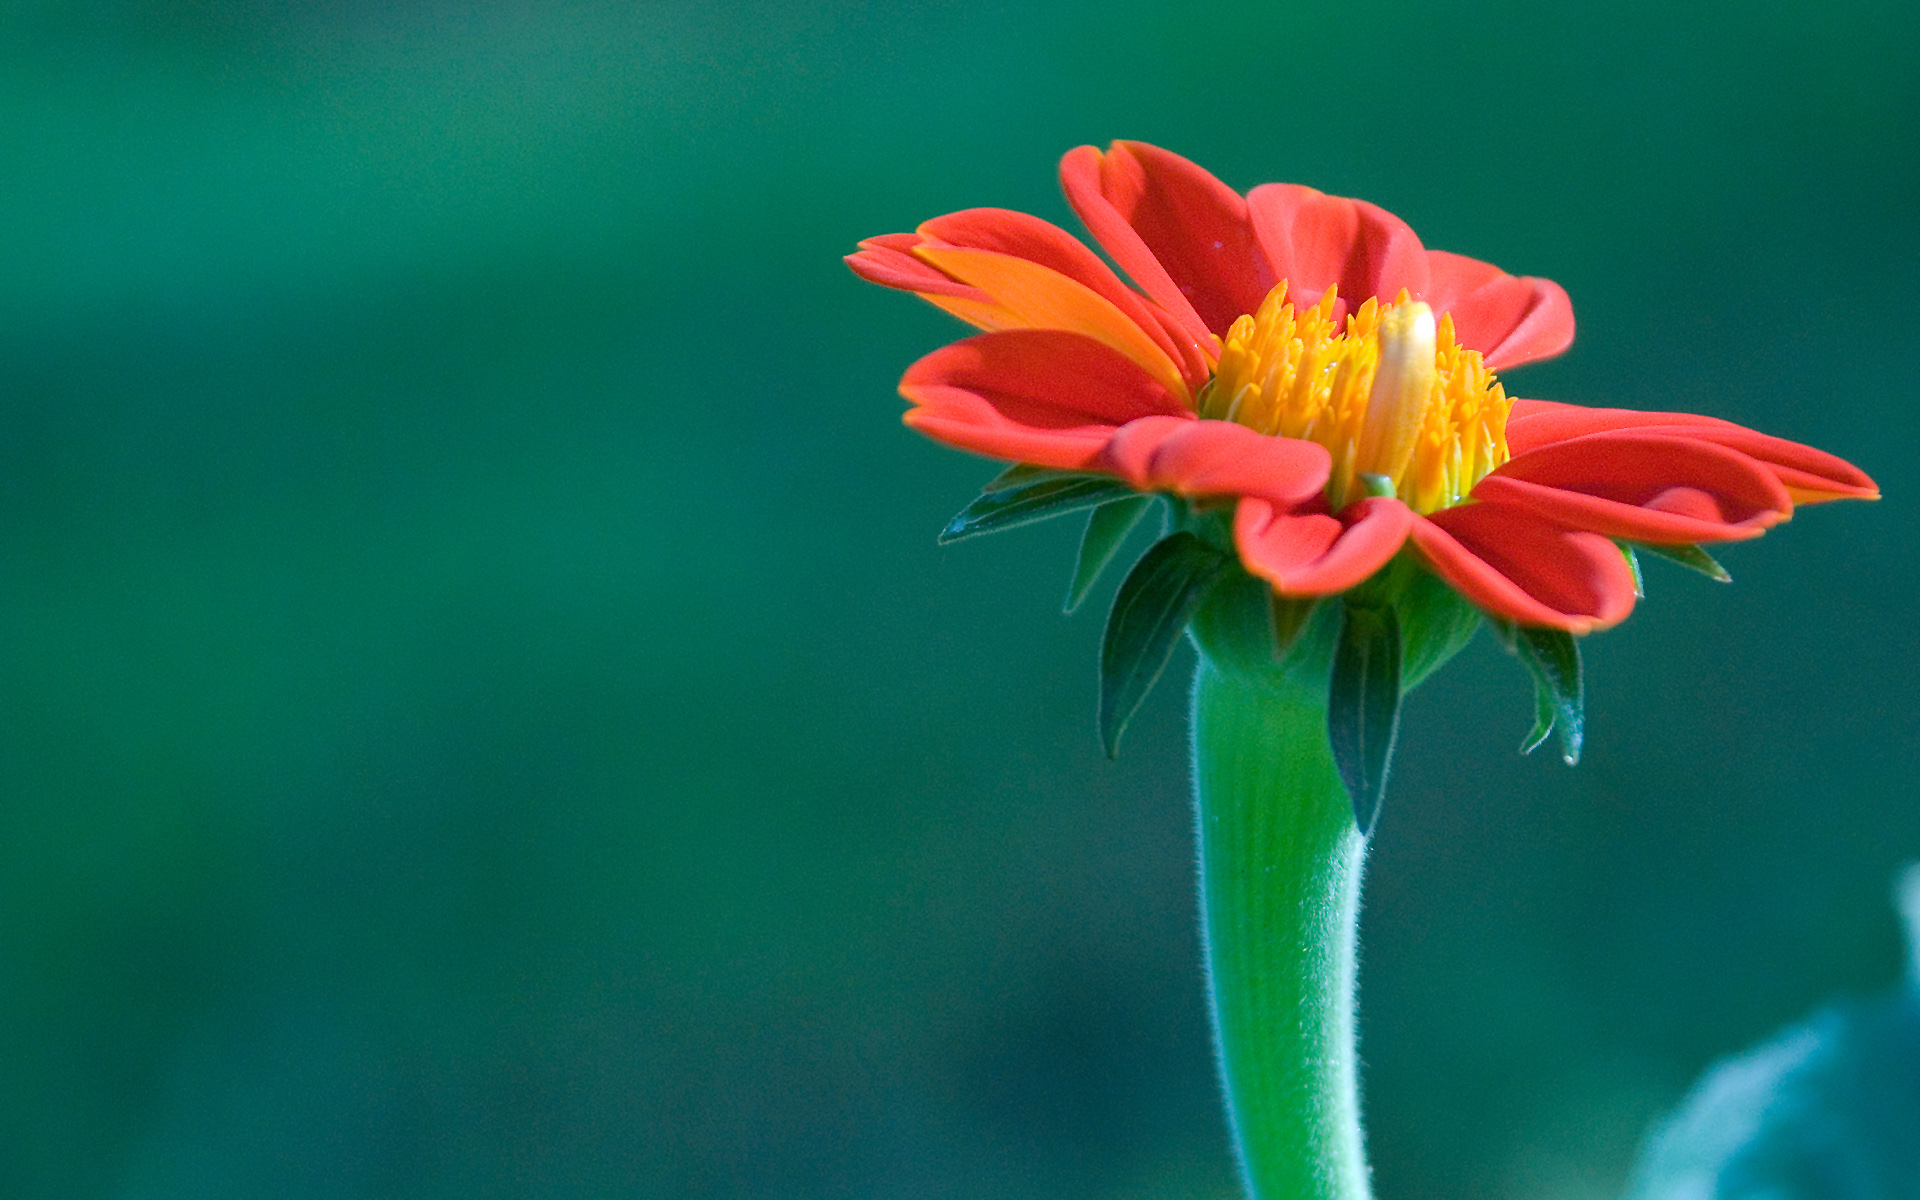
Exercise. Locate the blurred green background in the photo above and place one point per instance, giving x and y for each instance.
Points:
(482, 713)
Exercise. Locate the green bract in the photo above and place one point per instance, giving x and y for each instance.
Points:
(1363, 651)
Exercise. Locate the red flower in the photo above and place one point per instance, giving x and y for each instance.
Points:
(1305, 358)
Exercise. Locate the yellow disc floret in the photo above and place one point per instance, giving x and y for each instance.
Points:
(1403, 408)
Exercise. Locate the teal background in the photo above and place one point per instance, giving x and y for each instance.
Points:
(482, 712)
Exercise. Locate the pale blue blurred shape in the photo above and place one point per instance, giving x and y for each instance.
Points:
(1828, 1110)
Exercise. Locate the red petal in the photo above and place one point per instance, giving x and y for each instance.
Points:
(1196, 361)
(1534, 423)
(1809, 475)
(1508, 320)
(1649, 487)
(885, 261)
(1023, 236)
(1315, 241)
(1514, 565)
(1312, 554)
(1182, 234)
(1040, 396)
(1080, 172)
(1217, 458)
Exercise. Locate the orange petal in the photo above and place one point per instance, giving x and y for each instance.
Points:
(888, 261)
(1022, 236)
(1026, 295)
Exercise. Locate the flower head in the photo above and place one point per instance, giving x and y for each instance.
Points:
(1305, 360)
(1318, 396)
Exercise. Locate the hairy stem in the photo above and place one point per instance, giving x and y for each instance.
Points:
(1280, 867)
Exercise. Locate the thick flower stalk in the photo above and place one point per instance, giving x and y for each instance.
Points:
(1349, 490)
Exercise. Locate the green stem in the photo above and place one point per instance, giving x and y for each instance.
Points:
(1280, 866)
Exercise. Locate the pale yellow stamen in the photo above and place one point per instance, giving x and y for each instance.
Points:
(1402, 386)
(1391, 396)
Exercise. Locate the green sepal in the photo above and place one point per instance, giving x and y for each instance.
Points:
(1633, 564)
(1363, 706)
(1045, 494)
(1107, 527)
(1543, 713)
(1552, 658)
(1376, 485)
(1021, 474)
(1290, 616)
(1691, 557)
(1153, 606)
(1436, 623)
(1244, 628)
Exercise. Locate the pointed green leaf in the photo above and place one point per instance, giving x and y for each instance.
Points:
(1107, 528)
(1633, 564)
(1154, 604)
(1021, 474)
(1543, 712)
(1436, 623)
(1552, 657)
(1691, 557)
(1363, 707)
(1022, 504)
(1291, 616)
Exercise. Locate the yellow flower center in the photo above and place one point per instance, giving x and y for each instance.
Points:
(1403, 409)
